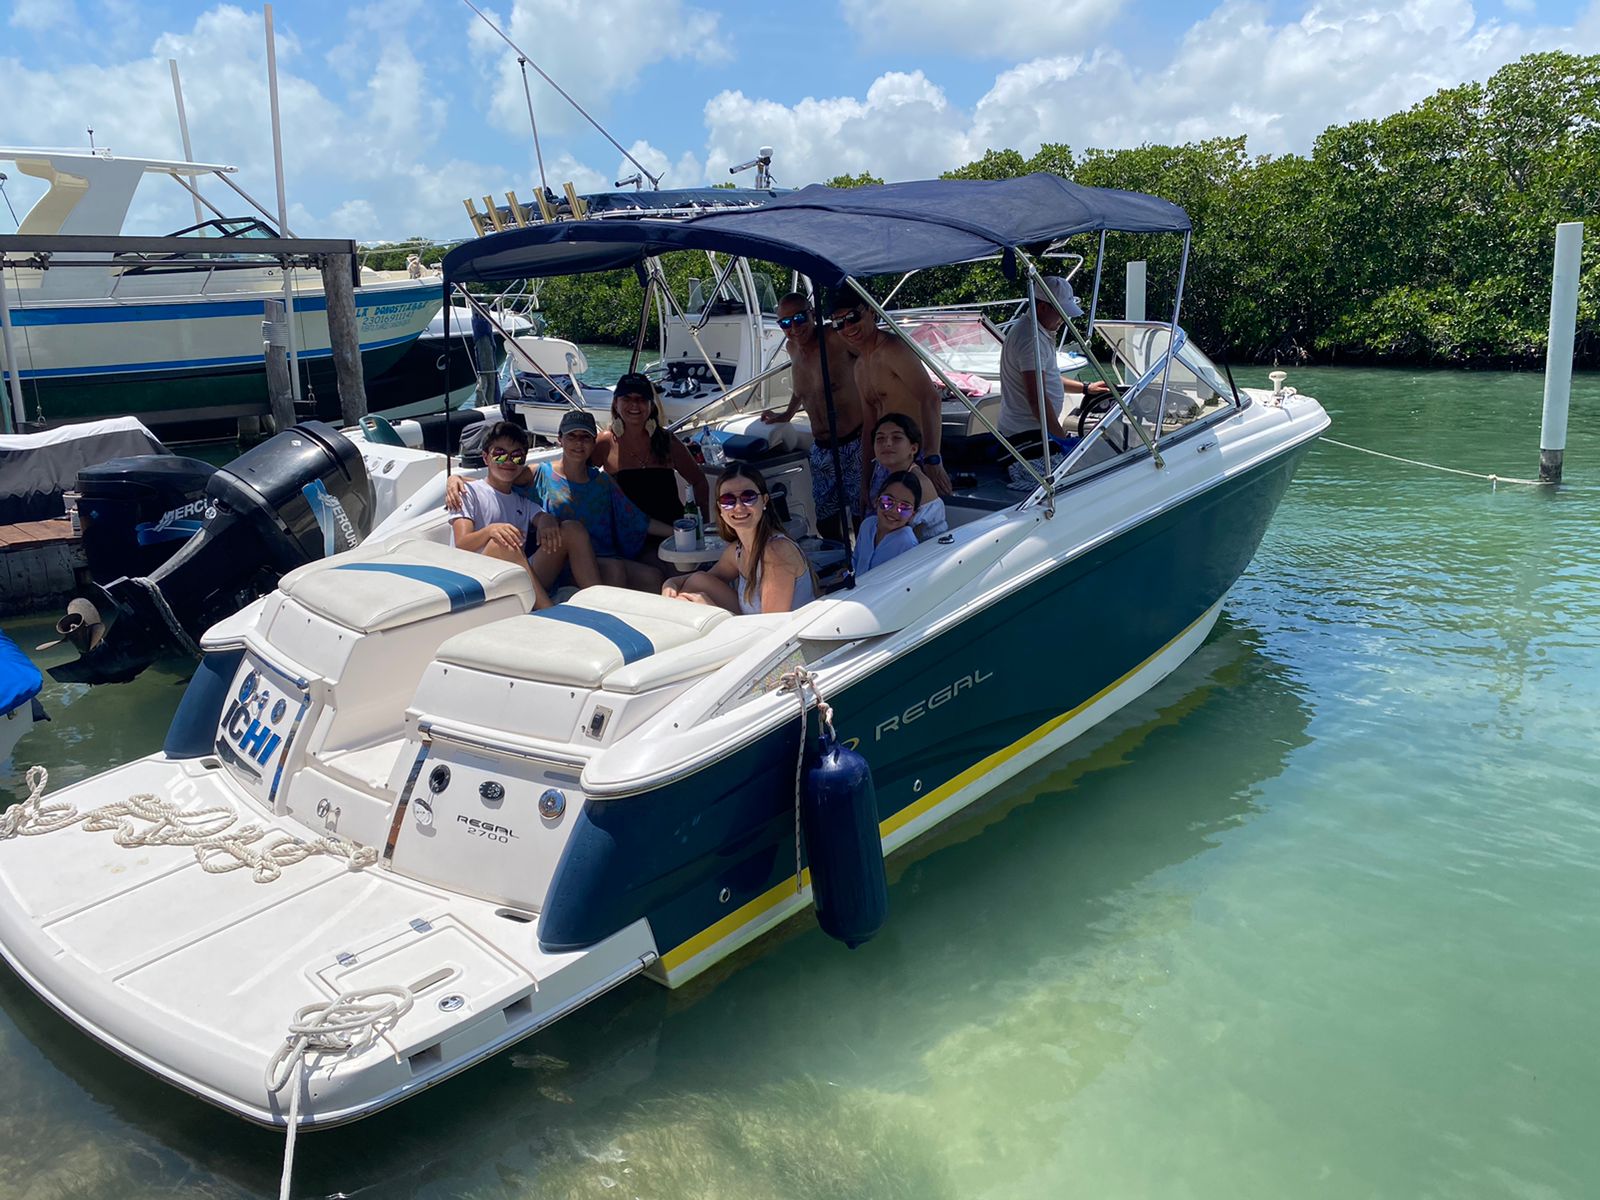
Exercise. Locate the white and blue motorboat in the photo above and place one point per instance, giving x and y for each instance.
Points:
(396, 802)
(170, 338)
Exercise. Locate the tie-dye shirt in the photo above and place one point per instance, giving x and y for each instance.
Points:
(616, 526)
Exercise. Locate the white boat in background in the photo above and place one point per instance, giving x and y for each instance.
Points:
(159, 337)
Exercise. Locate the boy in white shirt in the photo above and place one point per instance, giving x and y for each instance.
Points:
(495, 519)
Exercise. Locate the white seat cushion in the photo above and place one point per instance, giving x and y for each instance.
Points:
(625, 603)
(721, 644)
(581, 642)
(406, 581)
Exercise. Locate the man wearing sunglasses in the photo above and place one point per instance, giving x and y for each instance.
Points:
(891, 378)
(799, 326)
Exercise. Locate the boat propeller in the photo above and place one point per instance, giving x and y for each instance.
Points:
(81, 626)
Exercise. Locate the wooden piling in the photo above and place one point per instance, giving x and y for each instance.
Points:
(275, 350)
(344, 333)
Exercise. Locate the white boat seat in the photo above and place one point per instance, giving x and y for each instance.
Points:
(581, 642)
(406, 581)
(721, 644)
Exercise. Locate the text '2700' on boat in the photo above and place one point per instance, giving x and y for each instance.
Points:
(459, 820)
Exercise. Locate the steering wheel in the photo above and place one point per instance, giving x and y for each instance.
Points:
(1100, 402)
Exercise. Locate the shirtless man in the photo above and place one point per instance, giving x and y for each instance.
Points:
(891, 378)
(799, 327)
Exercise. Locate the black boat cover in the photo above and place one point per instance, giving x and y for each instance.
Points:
(832, 233)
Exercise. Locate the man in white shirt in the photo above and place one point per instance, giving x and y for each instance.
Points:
(1019, 369)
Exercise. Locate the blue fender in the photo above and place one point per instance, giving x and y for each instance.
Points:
(839, 820)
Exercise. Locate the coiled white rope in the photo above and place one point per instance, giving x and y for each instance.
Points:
(341, 1026)
(207, 830)
(1492, 480)
(799, 681)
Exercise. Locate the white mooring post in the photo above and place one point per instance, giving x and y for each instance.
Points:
(1136, 270)
(1558, 359)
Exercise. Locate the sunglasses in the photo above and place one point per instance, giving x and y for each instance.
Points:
(794, 322)
(731, 500)
(847, 318)
(633, 398)
(899, 507)
(514, 458)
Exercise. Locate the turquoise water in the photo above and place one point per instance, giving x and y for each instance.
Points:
(1315, 918)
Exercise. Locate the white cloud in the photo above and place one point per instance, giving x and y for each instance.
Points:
(1235, 71)
(370, 156)
(39, 16)
(687, 171)
(373, 133)
(592, 50)
(978, 28)
(904, 124)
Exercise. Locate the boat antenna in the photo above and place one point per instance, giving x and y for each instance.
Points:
(91, 139)
(537, 152)
(655, 180)
(12, 211)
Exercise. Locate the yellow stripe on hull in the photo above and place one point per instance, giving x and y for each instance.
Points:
(754, 917)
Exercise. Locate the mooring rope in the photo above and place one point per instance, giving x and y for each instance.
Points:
(350, 1022)
(205, 830)
(179, 633)
(1412, 462)
(799, 681)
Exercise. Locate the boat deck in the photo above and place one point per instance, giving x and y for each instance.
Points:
(36, 533)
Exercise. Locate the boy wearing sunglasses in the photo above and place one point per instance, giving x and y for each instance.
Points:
(799, 327)
(887, 530)
(496, 516)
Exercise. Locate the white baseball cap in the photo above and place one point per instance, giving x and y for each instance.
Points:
(1062, 291)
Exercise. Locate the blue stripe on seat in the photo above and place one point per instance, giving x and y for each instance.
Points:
(464, 591)
(633, 644)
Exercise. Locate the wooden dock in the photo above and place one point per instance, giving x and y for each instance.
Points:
(39, 564)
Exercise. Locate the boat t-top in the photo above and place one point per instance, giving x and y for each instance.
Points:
(401, 822)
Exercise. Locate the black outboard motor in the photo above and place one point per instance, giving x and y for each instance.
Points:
(293, 499)
(138, 512)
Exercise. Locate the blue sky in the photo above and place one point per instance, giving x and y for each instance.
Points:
(396, 110)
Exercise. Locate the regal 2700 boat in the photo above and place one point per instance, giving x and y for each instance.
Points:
(455, 821)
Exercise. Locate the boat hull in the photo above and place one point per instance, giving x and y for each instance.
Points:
(175, 360)
(928, 723)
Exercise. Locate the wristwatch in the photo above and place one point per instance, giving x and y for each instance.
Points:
(932, 460)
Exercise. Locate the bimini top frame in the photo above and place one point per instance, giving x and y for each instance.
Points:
(837, 237)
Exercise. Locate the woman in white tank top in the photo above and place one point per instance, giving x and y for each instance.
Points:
(762, 570)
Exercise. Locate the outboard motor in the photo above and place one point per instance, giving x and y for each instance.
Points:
(138, 512)
(296, 497)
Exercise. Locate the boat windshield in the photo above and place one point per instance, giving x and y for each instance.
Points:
(730, 297)
(228, 227)
(1138, 345)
